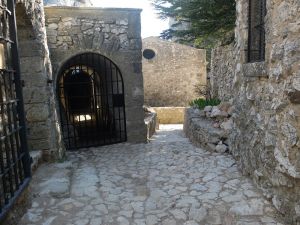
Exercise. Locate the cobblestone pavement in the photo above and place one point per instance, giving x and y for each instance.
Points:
(168, 181)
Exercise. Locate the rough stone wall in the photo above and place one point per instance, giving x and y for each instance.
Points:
(265, 137)
(170, 77)
(42, 129)
(222, 72)
(114, 33)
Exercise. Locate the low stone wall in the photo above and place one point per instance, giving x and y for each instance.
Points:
(170, 115)
(209, 128)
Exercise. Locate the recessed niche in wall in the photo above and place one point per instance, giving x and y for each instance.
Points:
(148, 54)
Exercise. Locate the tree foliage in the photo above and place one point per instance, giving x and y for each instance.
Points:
(209, 20)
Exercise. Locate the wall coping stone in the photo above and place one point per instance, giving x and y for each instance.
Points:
(93, 8)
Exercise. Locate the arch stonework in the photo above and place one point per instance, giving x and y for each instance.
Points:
(42, 128)
(113, 33)
(90, 94)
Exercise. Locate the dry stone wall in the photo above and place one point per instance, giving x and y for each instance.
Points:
(222, 72)
(265, 138)
(171, 75)
(42, 129)
(114, 33)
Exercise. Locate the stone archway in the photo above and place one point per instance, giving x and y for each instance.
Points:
(90, 93)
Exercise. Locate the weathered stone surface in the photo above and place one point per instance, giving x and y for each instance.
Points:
(171, 75)
(35, 72)
(265, 95)
(168, 181)
(221, 148)
(202, 131)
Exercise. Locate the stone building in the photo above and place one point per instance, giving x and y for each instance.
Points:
(171, 71)
(93, 41)
(262, 80)
(106, 42)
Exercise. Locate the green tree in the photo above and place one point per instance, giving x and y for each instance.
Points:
(209, 20)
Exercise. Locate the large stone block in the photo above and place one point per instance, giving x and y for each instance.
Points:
(37, 112)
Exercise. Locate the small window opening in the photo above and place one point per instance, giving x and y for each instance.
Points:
(148, 54)
(256, 30)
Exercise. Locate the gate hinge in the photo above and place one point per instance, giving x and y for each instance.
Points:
(22, 83)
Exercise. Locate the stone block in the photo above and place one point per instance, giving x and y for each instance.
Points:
(38, 130)
(38, 144)
(33, 94)
(37, 112)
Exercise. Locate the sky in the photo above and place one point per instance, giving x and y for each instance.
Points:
(151, 25)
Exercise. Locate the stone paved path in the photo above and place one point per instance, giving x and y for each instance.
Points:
(168, 182)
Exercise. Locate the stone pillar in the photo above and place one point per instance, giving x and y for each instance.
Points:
(36, 73)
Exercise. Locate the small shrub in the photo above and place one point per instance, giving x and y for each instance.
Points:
(201, 103)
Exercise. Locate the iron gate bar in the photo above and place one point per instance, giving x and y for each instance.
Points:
(14, 156)
(100, 121)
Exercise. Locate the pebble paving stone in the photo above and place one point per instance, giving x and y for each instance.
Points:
(167, 181)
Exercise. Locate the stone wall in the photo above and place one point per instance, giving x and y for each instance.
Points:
(170, 77)
(266, 130)
(113, 33)
(222, 72)
(42, 129)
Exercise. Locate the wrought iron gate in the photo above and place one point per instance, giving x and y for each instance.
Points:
(14, 157)
(91, 98)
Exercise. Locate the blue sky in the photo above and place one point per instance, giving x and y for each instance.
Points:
(151, 25)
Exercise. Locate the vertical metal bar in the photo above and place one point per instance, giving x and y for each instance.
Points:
(18, 144)
(249, 31)
(12, 130)
(5, 189)
(94, 100)
(264, 7)
(72, 118)
(260, 29)
(19, 94)
(112, 93)
(7, 135)
(120, 129)
(107, 119)
(124, 112)
(64, 114)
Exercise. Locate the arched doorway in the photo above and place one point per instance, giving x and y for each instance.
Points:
(90, 91)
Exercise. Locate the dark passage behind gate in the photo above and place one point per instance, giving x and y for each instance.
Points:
(91, 99)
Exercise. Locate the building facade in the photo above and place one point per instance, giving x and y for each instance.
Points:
(171, 72)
